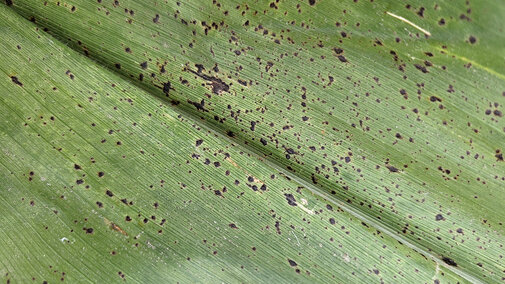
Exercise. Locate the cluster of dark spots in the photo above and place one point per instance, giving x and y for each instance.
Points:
(121, 274)
(449, 261)
(404, 93)
(278, 227)
(199, 106)
(435, 99)
(156, 18)
(233, 226)
(339, 53)
(377, 42)
(79, 181)
(263, 141)
(198, 142)
(109, 193)
(16, 81)
(499, 155)
(99, 204)
(439, 217)
(421, 68)
(291, 199)
(218, 86)
(8, 2)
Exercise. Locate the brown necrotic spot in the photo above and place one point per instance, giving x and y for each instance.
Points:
(16, 81)
(449, 261)
(291, 199)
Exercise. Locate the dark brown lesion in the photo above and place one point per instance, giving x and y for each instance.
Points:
(218, 85)
(16, 81)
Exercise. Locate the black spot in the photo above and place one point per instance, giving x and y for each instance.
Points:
(449, 261)
(79, 181)
(8, 2)
(263, 141)
(499, 157)
(472, 39)
(342, 58)
(198, 142)
(89, 230)
(332, 221)
(143, 65)
(109, 193)
(291, 199)
(392, 169)
(421, 68)
(292, 262)
(101, 174)
(420, 13)
(118, 65)
(156, 18)
(16, 81)
(338, 50)
(167, 87)
(233, 226)
(439, 217)
(77, 167)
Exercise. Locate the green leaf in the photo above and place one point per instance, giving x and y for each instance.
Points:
(307, 141)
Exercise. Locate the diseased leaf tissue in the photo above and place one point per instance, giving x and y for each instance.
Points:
(257, 141)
